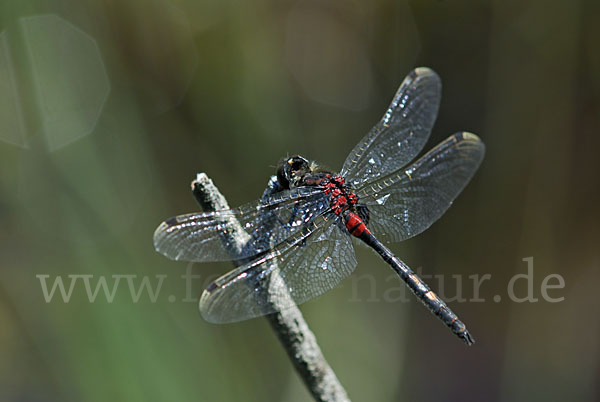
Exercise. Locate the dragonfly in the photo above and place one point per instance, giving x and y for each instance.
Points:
(299, 233)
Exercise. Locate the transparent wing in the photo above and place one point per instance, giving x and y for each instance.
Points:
(402, 132)
(214, 236)
(301, 268)
(405, 203)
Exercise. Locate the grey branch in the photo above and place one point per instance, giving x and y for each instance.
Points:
(289, 324)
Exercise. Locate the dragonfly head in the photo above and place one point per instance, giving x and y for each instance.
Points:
(292, 170)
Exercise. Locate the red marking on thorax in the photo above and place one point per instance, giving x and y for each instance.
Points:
(340, 197)
(341, 200)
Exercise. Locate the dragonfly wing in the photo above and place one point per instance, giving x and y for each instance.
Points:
(402, 132)
(297, 270)
(239, 233)
(407, 202)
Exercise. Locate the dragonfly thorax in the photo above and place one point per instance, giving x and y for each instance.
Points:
(341, 198)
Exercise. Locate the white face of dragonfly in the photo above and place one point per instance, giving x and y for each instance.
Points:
(292, 171)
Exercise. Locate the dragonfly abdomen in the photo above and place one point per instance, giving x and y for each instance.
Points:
(355, 225)
(436, 305)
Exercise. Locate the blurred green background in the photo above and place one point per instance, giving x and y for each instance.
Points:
(109, 108)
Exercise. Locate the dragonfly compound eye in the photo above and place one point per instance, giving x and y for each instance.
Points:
(298, 163)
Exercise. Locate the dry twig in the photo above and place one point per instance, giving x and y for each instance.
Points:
(289, 324)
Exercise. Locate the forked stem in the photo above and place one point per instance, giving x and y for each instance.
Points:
(289, 324)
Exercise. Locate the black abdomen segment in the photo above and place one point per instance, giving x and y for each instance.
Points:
(436, 305)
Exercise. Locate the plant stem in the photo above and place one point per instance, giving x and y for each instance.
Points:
(289, 324)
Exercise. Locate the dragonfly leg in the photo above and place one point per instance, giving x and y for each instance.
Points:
(273, 187)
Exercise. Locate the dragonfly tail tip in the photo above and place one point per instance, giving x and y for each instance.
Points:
(467, 338)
